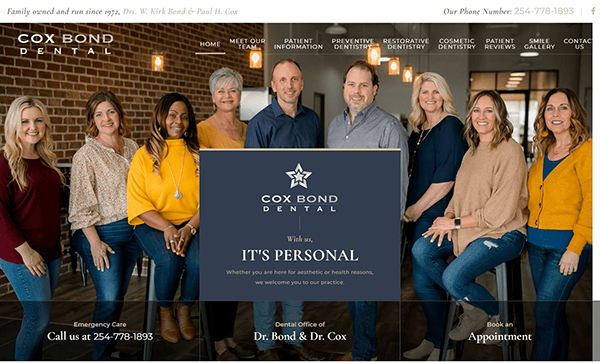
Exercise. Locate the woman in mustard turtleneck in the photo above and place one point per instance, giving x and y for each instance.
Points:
(163, 196)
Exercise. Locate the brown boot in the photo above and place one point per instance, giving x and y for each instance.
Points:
(186, 325)
(168, 325)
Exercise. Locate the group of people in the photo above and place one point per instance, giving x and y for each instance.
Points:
(287, 124)
(114, 187)
(465, 188)
(471, 196)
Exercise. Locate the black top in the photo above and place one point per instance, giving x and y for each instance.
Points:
(437, 160)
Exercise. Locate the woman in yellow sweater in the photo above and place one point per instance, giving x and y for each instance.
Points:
(560, 225)
(224, 130)
(163, 195)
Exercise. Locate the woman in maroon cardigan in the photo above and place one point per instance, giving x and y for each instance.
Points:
(30, 249)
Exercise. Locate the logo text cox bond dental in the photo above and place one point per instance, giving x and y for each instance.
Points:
(303, 203)
(70, 42)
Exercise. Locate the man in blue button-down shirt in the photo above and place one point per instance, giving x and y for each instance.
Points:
(364, 125)
(285, 123)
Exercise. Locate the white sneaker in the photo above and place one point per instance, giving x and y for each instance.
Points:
(423, 350)
(435, 355)
(468, 322)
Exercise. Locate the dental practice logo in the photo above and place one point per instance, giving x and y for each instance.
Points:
(70, 43)
(299, 177)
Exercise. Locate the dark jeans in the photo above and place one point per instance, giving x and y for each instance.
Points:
(364, 318)
(169, 266)
(264, 321)
(458, 278)
(431, 295)
(551, 341)
(34, 293)
(111, 284)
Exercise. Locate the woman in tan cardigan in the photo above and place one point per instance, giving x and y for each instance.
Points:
(483, 225)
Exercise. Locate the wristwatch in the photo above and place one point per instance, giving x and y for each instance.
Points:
(457, 223)
(192, 229)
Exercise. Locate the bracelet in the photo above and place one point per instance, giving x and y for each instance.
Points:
(192, 229)
(171, 226)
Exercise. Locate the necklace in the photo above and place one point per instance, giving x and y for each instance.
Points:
(177, 192)
(557, 151)
(422, 138)
(414, 155)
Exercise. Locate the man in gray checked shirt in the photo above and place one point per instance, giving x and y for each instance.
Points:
(363, 125)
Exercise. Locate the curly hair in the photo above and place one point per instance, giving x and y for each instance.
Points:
(155, 144)
(417, 117)
(13, 150)
(579, 129)
(90, 108)
(503, 128)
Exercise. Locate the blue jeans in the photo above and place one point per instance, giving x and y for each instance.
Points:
(111, 285)
(264, 319)
(34, 293)
(169, 266)
(458, 278)
(431, 291)
(364, 318)
(551, 341)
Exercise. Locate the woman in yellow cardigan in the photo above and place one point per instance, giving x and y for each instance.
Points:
(560, 224)
(163, 195)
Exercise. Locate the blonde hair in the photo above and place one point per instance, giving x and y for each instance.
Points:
(579, 129)
(503, 128)
(156, 143)
(13, 150)
(418, 117)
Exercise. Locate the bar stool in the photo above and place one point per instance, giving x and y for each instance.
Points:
(151, 308)
(205, 336)
(403, 244)
(508, 274)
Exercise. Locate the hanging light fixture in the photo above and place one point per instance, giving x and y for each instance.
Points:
(407, 71)
(394, 62)
(336, 29)
(256, 58)
(158, 62)
(374, 54)
(394, 66)
(418, 74)
(407, 74)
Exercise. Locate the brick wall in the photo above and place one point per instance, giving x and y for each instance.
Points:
(64, 82)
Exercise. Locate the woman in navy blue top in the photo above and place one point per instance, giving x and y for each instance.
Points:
(436, 148)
